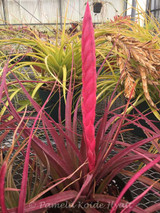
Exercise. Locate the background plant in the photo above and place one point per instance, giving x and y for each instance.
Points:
(131, 43)
(51, 59)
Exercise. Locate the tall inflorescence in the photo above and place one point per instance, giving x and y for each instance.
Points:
(89, 86)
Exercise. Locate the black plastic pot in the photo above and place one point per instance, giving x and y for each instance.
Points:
(21, 59)
(97, 6)
(143, 107)
(116, 186)
(52, 107)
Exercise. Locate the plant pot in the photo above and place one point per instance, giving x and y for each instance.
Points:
(97, 6)
(52, 107)
(21, 59)
(116, 186)
(143, 107)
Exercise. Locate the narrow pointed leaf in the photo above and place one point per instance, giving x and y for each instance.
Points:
(2, 190)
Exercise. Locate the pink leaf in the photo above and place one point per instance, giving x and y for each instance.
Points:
(153, 208)
(132, 180)
(89, 178)
(3, 79)
(51, 201)
(135, 201)
(22, 197)
(2, 190)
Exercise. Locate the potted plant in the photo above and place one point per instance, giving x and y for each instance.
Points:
(80, 170)
(97, 6)
(137, 60)
(139, 66)
(50, 63)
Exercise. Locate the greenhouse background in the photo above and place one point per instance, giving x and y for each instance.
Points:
(51, 12)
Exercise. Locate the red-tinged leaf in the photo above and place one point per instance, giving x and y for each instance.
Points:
(135, 201)
(89, 86)
(153, 208)
(58, 139)
(83, 153)
(111, 136)
(113, 171)
(47, 136)
(75, 121)
(23, 191)
(3, 79)
(135, 122)
(120, 155)
(69, 141)
(2, 189)
(85, 184)
(107, 142)
(54, 159)
(68, 109)
(51, 201)
(41, 148)
(56, 162)
(132, 180)
(143, 179)
(45, 203)
(60, 181)
(146, 156)
(149, 122)
(144, 117)
(12, 189)
(154, 142)
(101, 129)
(3, 135)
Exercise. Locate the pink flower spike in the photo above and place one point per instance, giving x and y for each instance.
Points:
(89, 86)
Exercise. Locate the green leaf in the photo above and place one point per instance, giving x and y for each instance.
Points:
(36, 89)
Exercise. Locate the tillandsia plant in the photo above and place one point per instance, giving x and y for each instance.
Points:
(80, 165)
(137, 55)
(48, 60)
